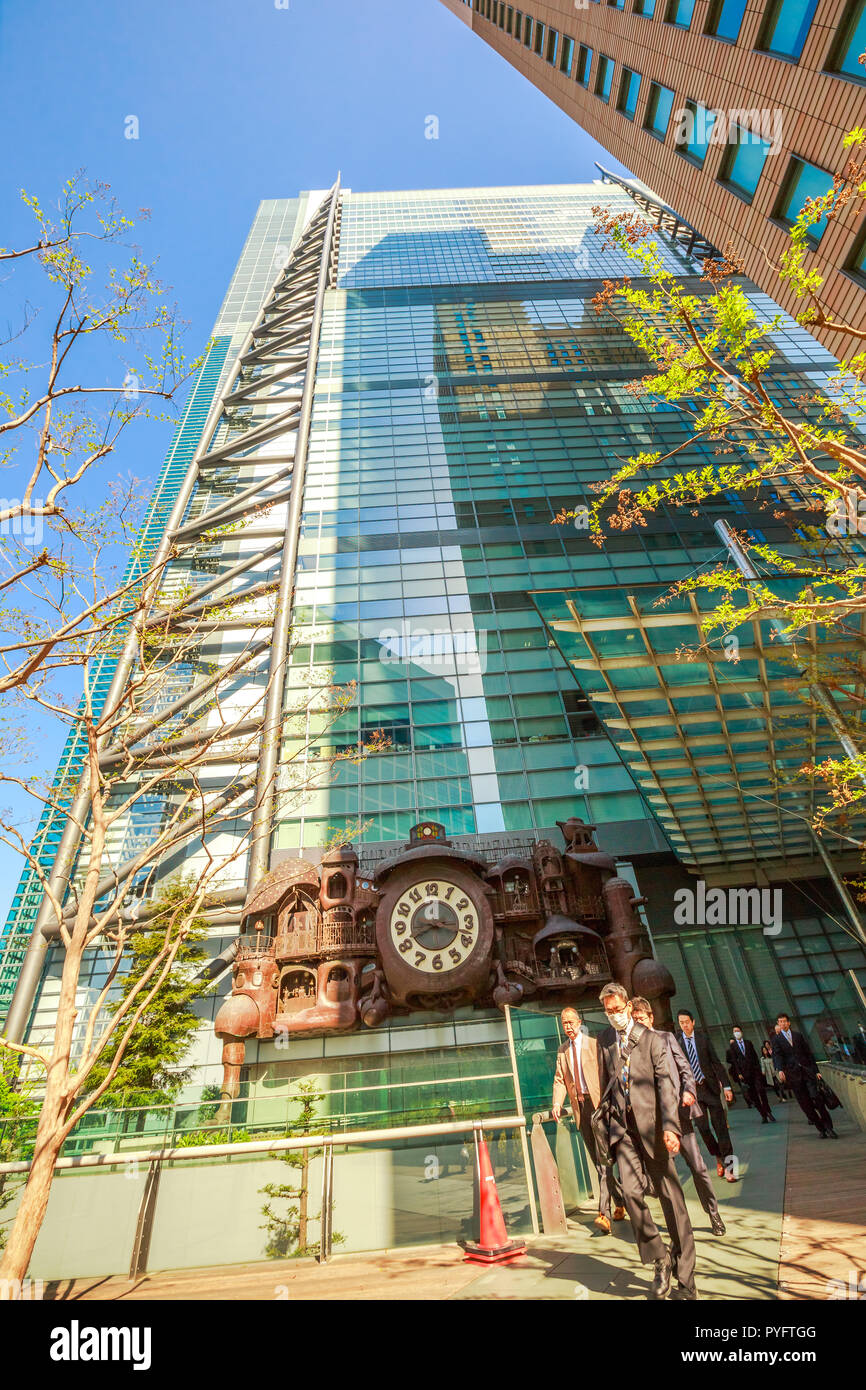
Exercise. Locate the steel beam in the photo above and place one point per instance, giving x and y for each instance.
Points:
(260, 833)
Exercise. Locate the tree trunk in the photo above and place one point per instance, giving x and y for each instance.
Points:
(34, 1200)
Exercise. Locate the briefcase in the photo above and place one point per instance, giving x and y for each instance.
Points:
(828, 1095)
(600, 1124)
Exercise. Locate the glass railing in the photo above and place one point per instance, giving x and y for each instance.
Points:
(379, 1194)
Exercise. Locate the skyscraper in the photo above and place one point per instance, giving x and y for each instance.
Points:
(417, 383)
(732, 114)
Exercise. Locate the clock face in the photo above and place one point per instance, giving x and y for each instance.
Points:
(434, 926)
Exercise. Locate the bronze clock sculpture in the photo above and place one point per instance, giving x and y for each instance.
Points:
(435, 927)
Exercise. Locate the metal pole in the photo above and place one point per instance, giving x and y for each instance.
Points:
(260, 833)
(823, 697)
(256, 1146)
(518, 1101)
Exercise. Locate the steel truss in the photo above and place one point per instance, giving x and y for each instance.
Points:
(682, 232)
(281, 347)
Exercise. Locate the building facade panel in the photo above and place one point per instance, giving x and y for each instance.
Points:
(801, 106)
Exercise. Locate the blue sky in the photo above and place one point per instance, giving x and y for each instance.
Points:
(239, 100)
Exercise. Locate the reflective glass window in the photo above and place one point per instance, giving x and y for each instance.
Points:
(744, 161)
(786, 24)
(604, 77)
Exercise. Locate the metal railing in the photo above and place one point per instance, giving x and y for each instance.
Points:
(155, 1159)
(667, 221)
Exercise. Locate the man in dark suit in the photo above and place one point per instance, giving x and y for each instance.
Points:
(639, 1126)
(797, 1068)
(712, 1081)
(686, 1088)
(744, 1066)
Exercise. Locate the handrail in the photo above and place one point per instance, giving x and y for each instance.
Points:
(312, 1141)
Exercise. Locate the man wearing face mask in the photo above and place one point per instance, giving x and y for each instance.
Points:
(687, 1089)
(638, 1121)
(577, 1076)
(744, 1066)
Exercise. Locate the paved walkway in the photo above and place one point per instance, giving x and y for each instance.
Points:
(819, 1185)
(823, 1250)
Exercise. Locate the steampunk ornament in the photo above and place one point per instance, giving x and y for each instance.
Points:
(436, 927)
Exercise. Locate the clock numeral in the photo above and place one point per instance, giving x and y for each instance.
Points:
(432, 890)
(415, 894)
(437, 962)
(469, 922)
(455, 955)
(448, 892)
(404, 909)
(420, 958)
(463, 903)
(406, 945)
(400, 927)
(465, 939)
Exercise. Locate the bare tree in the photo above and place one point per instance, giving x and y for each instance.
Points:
(168, 760)
(134, 770)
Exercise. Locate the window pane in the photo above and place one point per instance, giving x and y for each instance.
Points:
(786, 26)
(680, 12)
(584, 63)
(567, 55)
(658, 109)
(527, 30)
(604, 77)
(744, 161)
(725, 19)
(696, 129)
(629, 86)
(857, 264)
(552, 43)
(852, 42)
(805, 181)
(645, 7)
(539, 38)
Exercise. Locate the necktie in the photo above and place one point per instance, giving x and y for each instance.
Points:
(624, 1061)
(693, 1058)
(743, 1047)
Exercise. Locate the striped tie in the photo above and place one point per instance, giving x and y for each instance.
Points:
(693, 1058)
(624, 1065)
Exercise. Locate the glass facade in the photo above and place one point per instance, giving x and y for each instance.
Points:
(693, 140)
(851, 44)
(786, 26)
(660, 103)
(584, 64)
(743, 162)
(629, 87)
(804, 181)
(604, 77)
(680, 12)
(467, 392)
(725, 18)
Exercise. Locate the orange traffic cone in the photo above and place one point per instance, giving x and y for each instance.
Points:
(493, 1246)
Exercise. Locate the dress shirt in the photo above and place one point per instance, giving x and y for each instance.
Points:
(576, 1068)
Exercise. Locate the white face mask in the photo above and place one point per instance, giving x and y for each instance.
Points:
(738, 1037)
(619, 1021)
